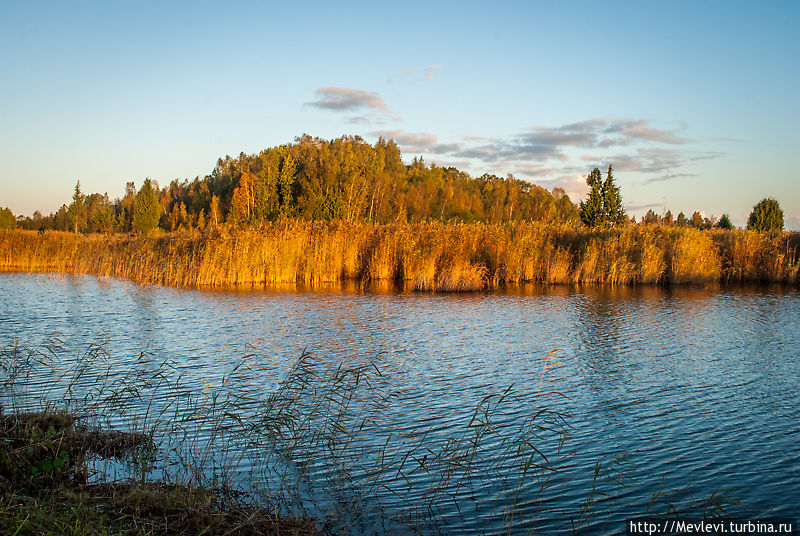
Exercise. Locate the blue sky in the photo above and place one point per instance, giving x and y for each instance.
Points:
(694, 103)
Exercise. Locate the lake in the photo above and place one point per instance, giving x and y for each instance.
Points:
(688, 396)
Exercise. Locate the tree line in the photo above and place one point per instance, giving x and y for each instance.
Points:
(347, 179)
(603, 208)
(313, 179)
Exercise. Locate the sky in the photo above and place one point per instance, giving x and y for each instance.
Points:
(695, 104)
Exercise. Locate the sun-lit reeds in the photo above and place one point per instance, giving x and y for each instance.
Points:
(430, 256)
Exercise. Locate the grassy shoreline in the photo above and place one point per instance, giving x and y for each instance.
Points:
(429, 256)
(44, 488)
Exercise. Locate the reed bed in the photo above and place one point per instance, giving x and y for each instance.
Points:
(429, 256)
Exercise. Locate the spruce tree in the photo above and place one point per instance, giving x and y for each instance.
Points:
(612, 201)
(725, 223)
(592, 208)
(603, 205)
(767, 217)
(76, 212)
(146, 208)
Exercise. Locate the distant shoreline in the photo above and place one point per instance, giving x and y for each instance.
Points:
(430, 256)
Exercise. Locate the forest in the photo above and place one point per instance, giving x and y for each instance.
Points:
(344, 179)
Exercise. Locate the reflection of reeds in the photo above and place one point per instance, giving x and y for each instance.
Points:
(427, 256)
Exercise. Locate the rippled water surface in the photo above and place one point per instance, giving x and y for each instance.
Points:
(693, 391)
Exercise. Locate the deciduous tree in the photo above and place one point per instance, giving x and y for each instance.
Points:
(7, 220)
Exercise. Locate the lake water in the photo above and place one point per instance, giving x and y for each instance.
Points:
(682, 394)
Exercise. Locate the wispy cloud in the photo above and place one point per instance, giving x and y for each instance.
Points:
(417, 142)
(655, 160)
(429, 71)
(638, 130)
(602, 133)
(344, 99)
(670, 177)
(637, 208)
(560, 156)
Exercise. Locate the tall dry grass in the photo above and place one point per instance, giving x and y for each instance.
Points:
(425, 256)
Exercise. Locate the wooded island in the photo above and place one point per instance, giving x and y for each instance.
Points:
(318, 211)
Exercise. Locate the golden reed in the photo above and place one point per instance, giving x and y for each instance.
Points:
(430, 256)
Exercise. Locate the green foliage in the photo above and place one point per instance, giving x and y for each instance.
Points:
(147, 209)
(767, 217)
(349, 179)
(100, 214)
(286, 183)
(603, 206)
(344, 179)
(7, 220)
(651, 218)
(124, 208)
(591, 209)
(725, 223)
(612, 201)
(76, 213)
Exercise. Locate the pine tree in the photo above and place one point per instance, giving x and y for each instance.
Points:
(146, 208)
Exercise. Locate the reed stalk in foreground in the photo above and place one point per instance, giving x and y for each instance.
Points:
(316, 447)
(429, 256)
(235, 457)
